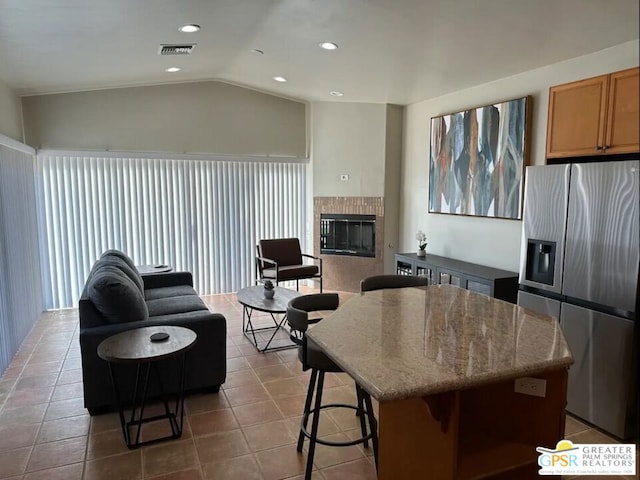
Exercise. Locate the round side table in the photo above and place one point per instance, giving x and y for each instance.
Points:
(135, 347)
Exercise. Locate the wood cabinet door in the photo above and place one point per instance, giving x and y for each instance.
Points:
(622, 120)
(577, 115)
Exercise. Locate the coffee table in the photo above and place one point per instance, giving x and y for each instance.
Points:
(252, 298)
(135, 347)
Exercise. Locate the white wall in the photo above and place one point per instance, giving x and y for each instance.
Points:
(204, 117)
(348, 138)
(492, 242)
(10, 113)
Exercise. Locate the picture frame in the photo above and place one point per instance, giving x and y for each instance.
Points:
(477, 160)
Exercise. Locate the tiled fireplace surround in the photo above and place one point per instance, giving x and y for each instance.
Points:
(343, 272)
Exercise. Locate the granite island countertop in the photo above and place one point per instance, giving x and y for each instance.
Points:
(411, 342)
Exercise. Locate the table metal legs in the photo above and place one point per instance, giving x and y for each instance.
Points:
(136, 419)
(250, 331)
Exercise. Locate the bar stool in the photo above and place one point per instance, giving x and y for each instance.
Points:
(378, 282)
(312, 357)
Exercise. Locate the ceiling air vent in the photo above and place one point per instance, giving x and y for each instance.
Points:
(181, 49)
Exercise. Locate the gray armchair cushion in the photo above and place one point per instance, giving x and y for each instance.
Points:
(115, 295)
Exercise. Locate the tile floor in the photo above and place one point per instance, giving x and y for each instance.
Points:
(247, 431)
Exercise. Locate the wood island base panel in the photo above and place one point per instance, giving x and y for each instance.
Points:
(484, 432)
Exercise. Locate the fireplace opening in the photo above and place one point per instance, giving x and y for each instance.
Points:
(347, 234)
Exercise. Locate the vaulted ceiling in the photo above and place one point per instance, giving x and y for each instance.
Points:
(390, 51)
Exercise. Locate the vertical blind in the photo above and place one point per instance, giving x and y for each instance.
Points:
(20, 280)
(200, 214)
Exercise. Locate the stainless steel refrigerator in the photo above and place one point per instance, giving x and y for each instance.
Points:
(580, 262)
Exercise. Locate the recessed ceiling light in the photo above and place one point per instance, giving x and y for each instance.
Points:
(329, 45)
(336, 93)
(189, 28)
(172, 69)
(257, 51)
(280, 79)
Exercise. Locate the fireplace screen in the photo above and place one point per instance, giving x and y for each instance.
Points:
(345, 234)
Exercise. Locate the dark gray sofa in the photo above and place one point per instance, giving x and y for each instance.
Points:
(117, 298)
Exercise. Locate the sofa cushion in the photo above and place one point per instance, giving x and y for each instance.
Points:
(123, 265)
(115, 295)
(166, 292)
(170, 305)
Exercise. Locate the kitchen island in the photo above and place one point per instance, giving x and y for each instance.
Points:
(444, 364)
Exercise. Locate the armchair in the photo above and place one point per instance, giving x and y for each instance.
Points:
(281, 260)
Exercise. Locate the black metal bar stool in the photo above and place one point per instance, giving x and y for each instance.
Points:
(313, 358)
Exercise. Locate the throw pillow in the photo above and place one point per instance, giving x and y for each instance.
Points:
(119, 262)
(115, 296)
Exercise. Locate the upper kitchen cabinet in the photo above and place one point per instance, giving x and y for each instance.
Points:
(595, 116)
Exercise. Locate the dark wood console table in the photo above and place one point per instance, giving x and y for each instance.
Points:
(490, 281)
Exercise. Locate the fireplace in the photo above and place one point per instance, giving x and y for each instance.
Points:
(347, 234)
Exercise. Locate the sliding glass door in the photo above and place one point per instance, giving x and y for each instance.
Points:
(197, 213)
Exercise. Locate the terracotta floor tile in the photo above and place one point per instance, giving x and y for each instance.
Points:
(104, 422)
(105, 444)
(213, 422)
(326, 426)
(67, 391)
(344, 418)
(54, 454)
(233, 351)
(65, 408)
(361, 469)
(257, 413)
(240, 378)
(161, 429)
(281, 462)
(72, 363)
(315, 475)
(205, 402)
(236, 364)
(591, 436)
(258, 359)
(269, 435)
(246, 394)
(287, 387)
(128, 465)
(240, 468)
(22, 415)
(326, 456)
(192, 474)
(64, 428)
(39, 368)
(28, 396)
(14, 462)
(273, 372)
(34, 381)
(66, 472)
(573, 426)
(18, 435)
(223, 445)
(169, 457)
(70, 376)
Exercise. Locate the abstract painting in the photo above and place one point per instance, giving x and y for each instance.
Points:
(477, 160)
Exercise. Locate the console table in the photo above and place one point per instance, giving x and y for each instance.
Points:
(490, 281)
